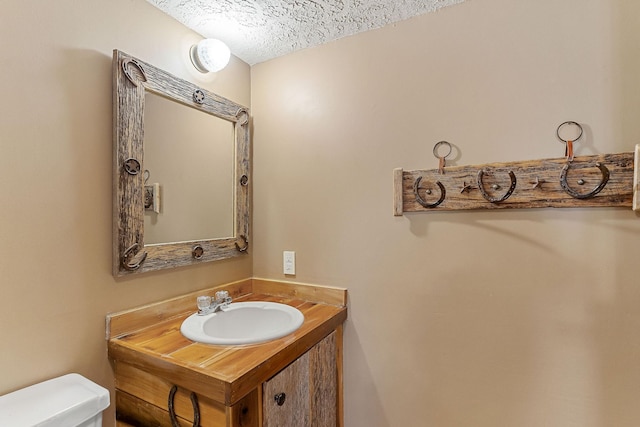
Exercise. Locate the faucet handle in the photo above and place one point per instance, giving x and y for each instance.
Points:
(223, 299)
(204, 302)
(222, 295)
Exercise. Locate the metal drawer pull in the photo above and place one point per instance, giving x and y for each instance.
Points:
(172, 412)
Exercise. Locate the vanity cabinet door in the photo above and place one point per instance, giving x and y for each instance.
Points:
(286, 396)
(304, 394)
(323, 382)
(142, 399)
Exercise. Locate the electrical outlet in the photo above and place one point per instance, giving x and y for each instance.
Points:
(289, 262)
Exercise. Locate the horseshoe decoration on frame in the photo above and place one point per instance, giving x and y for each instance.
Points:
(421, 201)
(128, 254)
(125, 69)
(573, 193)
(512, 187)
(246, 244)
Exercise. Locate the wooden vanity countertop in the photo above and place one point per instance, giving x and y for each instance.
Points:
(224, 373)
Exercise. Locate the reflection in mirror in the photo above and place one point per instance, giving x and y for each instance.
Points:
(180, 193)
(188, 159)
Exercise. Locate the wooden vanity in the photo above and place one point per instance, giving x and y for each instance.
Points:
(162, 378)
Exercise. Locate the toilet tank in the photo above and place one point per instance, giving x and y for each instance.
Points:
(67, 401)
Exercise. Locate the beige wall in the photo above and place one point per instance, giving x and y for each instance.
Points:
(484, 319)
(522, 318)
(55, 180)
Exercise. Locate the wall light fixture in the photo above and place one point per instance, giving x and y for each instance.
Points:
(209, 55)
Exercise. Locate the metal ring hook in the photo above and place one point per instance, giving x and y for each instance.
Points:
(438, 145)
(570, 122)
(568, 151)
(512, 187)
(565, 186)
(441, 159)
(416, 187)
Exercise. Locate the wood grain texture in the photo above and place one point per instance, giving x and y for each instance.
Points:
(618, 192)
(247, 412)
(636, 179)
(311, 388)
(128, 136)
(136, 412)
(224, 374)
(131, 320)
(129, 86)
(340, 385)
(155, 390)
(316, 293)
(127, 321)
(293, 382)
(323, 382)
(397, 192)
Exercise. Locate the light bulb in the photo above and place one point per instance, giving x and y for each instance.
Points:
(210, 55)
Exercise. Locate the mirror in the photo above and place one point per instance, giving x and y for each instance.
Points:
(181, 171)
(188, 157)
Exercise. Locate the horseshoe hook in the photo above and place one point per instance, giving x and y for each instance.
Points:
(565, 186)
(512, 187)
(128, 254)
(416, 187)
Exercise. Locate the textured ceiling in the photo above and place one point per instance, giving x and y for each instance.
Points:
(259, 30)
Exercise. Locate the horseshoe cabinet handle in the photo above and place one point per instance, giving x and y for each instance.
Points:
(512, 187)
(172, 411)
(570, 191)
(420, 200)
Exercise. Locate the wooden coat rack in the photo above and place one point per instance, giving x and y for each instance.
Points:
(604, 180)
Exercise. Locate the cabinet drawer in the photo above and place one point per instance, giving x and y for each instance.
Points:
(155, 391)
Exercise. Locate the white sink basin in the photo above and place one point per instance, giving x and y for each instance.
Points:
(243, 323)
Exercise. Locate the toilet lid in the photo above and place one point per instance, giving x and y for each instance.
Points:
(64, 401)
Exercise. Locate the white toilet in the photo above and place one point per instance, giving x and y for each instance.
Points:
(67, 401)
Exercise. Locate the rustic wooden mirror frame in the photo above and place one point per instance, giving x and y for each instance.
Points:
(131, 79)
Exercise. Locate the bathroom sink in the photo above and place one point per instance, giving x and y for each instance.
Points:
(243, 323)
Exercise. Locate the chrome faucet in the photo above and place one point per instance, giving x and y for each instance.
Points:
(207, 305)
